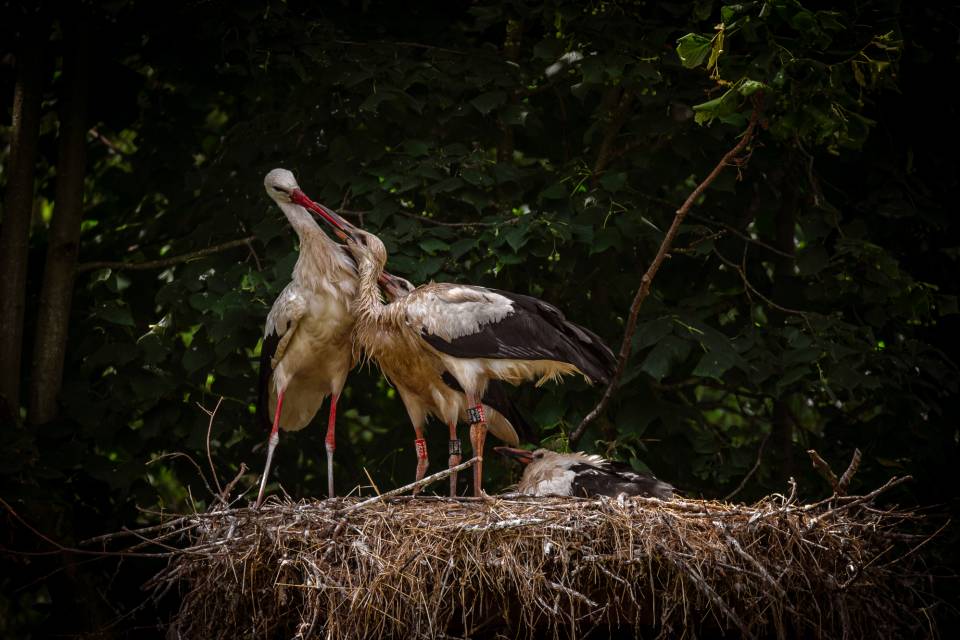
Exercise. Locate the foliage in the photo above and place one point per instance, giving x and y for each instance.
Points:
(535, 147)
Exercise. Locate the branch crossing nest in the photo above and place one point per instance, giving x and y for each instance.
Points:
(523, 567)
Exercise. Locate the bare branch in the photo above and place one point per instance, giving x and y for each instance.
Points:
(823, 469)
(847, 476)
(413, 486)
(165, 262)
(729, 158)
(753, 470)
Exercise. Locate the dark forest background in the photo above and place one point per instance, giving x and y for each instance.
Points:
(540, 147)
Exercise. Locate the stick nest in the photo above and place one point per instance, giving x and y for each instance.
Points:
(545, 567)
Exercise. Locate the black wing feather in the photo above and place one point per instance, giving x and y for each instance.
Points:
(267, 351)
(536, 330)
(613, 478)
(496, 396)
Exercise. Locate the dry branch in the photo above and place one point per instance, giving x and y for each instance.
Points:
(165, 262)
(729, 158)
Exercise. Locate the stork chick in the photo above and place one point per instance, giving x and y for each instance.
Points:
(577, 474)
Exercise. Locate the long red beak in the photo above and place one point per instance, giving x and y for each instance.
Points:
(341, 228)
(520, 455)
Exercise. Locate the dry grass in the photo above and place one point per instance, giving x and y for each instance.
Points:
(523, 567)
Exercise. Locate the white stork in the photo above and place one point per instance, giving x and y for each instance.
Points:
(577, 474)
(307, 350)
(472, 333)
(427, 390)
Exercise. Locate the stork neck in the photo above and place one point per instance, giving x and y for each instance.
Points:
(322, 263)
(369, 301)
(301, 220)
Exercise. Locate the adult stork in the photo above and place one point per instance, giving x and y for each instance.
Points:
(307, 351)
(307, 348)
(578, 474)
(472, 333)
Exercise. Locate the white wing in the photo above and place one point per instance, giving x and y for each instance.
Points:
(451, 311)
(287, 309)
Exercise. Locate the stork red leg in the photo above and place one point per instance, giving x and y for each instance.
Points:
(455, 458)
(331, 441)
(478, 433)
(274, 439)
(422, 461)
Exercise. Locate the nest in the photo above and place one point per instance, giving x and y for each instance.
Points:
(523, 567)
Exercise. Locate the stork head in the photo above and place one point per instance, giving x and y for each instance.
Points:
(522, 455)
(367, 247)
(283, 188)
(395, 287)
(280, 184)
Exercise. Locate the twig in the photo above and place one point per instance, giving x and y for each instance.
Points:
(164, 262)
(413, 486)
(213, 470)
(756, 465)
(750, 288)
(847, 476)
(180, 454)
(645, 282)
(824, 469)
(229, 488)
(892, 482)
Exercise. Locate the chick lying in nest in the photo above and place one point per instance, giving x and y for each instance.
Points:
(549, 473)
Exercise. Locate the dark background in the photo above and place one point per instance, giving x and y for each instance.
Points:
(810, 302)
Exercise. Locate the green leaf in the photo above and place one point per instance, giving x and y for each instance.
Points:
(487, 102)
(115, 311)
(669, 352)
(693, 49)
(432, 245)
(714, 364)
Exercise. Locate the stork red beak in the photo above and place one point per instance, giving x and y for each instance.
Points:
(520, 455)
(390, 286)
(341, 228)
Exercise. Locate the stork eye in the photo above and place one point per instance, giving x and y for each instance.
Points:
(275, 188)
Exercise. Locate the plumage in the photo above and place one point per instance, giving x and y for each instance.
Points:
(306, 351)
(582, 475)
(515, 326)
(472, 333)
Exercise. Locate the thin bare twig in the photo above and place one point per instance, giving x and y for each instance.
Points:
(413, 486)
(213, 470)
(729, 158)
(753, 470)
(439, 223)
(164, 262)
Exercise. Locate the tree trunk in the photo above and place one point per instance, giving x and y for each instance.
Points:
(56, 295)
(17, 209)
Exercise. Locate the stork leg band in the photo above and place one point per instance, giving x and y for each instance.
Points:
(475, 414)
(421, 446)
(455, 447)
